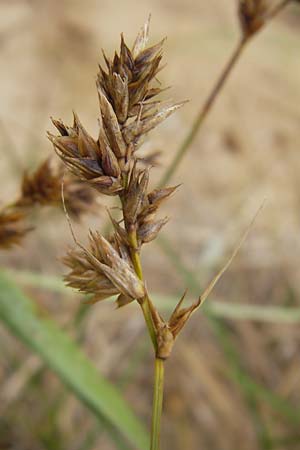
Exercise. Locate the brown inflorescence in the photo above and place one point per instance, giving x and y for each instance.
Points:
(103, 270)
(43, 188)
(127, 91)
(252, 14)
(128, 111)
(13, 228)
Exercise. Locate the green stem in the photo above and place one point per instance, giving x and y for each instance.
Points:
(157, 403)
(136, 261)
(149, 322)
(135, 257)
(203, 112)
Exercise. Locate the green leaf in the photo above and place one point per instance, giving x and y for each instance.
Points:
(223, 309)
(61, 355)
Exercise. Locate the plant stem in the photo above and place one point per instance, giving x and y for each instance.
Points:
(203, 112)
(157, 403)
(277, 9)
(145, 301)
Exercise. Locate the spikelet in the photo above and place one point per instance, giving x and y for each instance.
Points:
(127, 92)
(102, 271)
(252, 15)
(83, 156)
(13, 228)
(43, 187)
(148, 227)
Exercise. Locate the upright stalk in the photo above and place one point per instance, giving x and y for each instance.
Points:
(278, 8)
(157, 403)
(144, 303)
(203, 112)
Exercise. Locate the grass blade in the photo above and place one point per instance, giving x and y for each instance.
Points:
(227, 310)
(61, 355)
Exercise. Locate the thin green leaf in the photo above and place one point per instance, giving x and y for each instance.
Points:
(60, 354)
(227, 310)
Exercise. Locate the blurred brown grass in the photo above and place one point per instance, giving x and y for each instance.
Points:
(247, 151)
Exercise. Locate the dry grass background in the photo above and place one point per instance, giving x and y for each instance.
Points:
(247, 151)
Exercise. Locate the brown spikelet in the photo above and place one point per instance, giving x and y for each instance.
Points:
(82, 154)
(43, 187)
(101, 271)
(148, 227)
(252, 14)
(127, 90)
(13, 228)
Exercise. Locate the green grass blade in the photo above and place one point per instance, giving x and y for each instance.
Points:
(227, 310)
(61, 355)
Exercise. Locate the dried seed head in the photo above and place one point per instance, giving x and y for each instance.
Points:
(43, 187)
(101, 271)
(128, 111)
(84, 157)
(13, 228)
(252, 15)
(126, 92)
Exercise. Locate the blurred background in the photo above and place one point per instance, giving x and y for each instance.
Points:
(231, 384)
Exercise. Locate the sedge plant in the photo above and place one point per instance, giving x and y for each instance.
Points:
(129, 109)
(111, 165)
